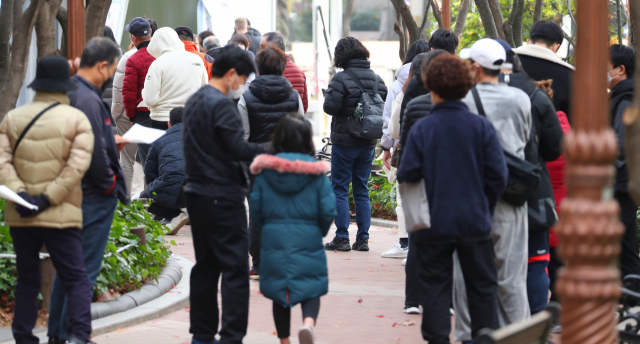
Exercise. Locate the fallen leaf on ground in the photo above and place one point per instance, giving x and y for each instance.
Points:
(408, 323)
(359, 300)
(337, 326)
(369, 270)
(343, 322)
(368, 261)
(382, 265)
(335, 251)
(348, 258)
(259, 292)
(120, 330)
(371, 242)
(394, 324)
(380, 316)
(274, 333)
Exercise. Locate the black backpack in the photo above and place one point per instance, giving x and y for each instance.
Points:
(366, 122)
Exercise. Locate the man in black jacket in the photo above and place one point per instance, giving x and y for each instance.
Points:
(244, 26)
(103, 184)
(217, 181)
(540, 61)
(621, 82)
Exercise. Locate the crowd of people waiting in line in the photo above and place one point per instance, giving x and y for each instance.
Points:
(235, 130)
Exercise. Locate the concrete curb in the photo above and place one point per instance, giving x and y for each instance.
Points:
(384, 223)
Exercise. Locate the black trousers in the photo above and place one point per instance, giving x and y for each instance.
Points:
(412, 285)
(282, 315)
(159, 125)
(435, 263)
(142, 118)
(629, 259)
(65, 248)
(220, 239)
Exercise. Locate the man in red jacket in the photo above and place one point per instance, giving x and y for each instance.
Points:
(293, 73)
(134, 76)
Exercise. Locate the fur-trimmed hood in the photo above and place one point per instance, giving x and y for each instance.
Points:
(541, 53)
(288, 172)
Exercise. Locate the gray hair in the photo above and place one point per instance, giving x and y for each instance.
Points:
(211, 42)
(277, 39)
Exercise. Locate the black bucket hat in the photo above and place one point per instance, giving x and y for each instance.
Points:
(52, 75)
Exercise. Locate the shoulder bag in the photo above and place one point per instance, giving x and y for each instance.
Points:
(26, 129)
(415, 205)
(366, 122)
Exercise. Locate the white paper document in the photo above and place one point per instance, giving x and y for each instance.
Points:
(9, 195)
(140, 134)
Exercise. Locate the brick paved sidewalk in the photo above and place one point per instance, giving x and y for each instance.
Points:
(379, 282)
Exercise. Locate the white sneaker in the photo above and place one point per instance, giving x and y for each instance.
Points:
(396, 252)
(404, 262)
(178, 222)
(452, 311)
(306, 335)
(412, 310)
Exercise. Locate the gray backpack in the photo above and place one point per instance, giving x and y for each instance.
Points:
(366, 122)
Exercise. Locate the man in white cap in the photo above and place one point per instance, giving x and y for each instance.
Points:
(509, 110)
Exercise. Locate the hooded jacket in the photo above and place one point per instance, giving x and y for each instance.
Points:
(51, 159)
(401, 77)
(173, 77)
(206, 59)
(164, 170)
(255, 36)
(541, 63)
(267, 100)
(557, 173)
(621, 98)
(341, 99)
(292, 198)
(117, 102)
(136, 68)
(298, 80)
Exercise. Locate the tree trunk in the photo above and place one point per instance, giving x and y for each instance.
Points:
(437, 13)
(407, 19)
(425, 18)
(399, 29)
(517, 22)
(461, 21)
(283, 20)
(62, 19)
(46, 28)
(6, 23)
(23, 24)
(346, 19)
(496, 12)
(537, 11)
(386, 24)
(632, 136)
(95, 17)
(487, 18)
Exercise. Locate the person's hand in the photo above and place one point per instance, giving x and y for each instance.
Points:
(41, 201)
(24, 211)
(386, 158)
(120, 142)
(74, 65)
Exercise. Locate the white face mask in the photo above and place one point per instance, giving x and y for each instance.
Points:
(236, 94)
(609, 77)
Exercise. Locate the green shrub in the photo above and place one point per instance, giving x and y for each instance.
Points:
(382, 196)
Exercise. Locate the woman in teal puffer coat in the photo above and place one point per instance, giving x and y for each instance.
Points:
(293, 202)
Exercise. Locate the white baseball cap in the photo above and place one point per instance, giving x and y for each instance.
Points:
(486, 52)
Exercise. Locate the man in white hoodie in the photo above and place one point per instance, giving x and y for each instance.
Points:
(172, 78)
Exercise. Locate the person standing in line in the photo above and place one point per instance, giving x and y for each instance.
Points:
(399, 249)
(172, 78)
(211, 43)
(509, 110)
(186, 36)
(50, 179)
(103, 184)
(461, 200)
(135, 74)
(243, 26)
(622, 66)
(292, 198)
(351, 157)
(243, 41)
(540, 61)
(217, 183)
(293, 73)
(202, 36)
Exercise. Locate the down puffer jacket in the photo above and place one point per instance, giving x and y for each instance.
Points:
(51, 159)
(206, 59)
(117, 104)
(292, 198)
(416, 109)
(557, 172)
(164, 170)
(298, 80)
(137, 67)
(341, 99)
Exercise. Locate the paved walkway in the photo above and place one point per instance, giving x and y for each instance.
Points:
(353, 276)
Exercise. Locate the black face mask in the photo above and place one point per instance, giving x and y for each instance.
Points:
(107, 83)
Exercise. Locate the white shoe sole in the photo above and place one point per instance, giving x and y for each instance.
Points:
(179, 226)
(305, 336)
(394, 255)
(412, 310)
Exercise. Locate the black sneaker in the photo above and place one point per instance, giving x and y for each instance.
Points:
(55, 340)
(338, 245)
(361, 244)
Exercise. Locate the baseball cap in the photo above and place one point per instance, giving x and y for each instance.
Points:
(486, 52)
(184, 31)
(138, 26)
(507, 49)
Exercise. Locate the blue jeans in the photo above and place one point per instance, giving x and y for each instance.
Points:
(97, 212)
(352, 165)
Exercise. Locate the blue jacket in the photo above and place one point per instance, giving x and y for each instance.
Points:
(293, 202)
(164, 170)
(460, 158)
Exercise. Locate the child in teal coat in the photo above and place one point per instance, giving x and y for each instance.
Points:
(294, 204)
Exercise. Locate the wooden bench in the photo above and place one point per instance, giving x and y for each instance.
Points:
(531, 331)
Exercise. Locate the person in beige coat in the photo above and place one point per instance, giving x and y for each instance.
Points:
(45, 150)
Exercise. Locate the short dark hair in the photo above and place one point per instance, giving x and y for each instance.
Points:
(445, 40)
(185, 38)
(271, 61)
(491, 72)
(232, 57)
(277, 39)
(240, 38)
(293, 135)
(418, 47)
(623, 56)
(426, 62)
(175, 116)
(448, 77)
(99, 49)
(205, 34)
(347, 49)
(546, 32)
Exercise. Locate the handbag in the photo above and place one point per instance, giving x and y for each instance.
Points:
(395, 156)
(366, 122)
(524, 176)
(415, 206)
(26, 129)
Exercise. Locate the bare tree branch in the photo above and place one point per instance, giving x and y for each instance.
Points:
(6, 23)
(346, 19)
(437, 13)
(487, 18)
(461, 21)
(425, 18)
(516, 24)
(407, 19)
(574, 23)
(537, 11)
(397, 27)
(496, 11)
